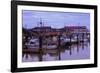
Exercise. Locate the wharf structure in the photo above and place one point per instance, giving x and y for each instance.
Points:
(45, 37)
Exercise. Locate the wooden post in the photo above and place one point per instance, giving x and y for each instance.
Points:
(77, 43)
(83, 41)
(70, 44)
(40, 48)
(59, 42)
(70, 38)
(77, 38)
(88, 38)
(59, 45)
(40, 42)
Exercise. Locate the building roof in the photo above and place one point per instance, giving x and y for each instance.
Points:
(75, 27)
(42, 27)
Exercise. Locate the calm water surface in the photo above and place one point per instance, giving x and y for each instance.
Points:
(70, 52)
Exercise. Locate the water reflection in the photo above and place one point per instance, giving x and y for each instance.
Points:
(64, 52)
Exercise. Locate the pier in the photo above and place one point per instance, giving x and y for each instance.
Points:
(45, 39)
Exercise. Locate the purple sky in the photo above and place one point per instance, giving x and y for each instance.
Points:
(55, 19)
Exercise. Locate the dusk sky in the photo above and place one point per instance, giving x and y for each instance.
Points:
(31, 19)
